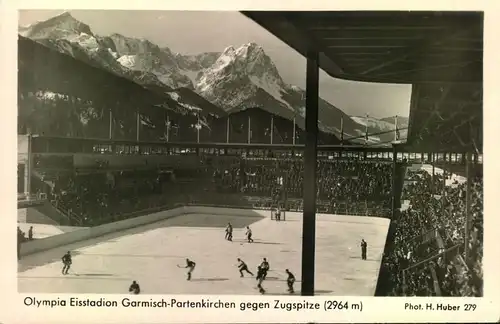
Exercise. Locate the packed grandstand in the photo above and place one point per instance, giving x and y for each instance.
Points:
(424, 252)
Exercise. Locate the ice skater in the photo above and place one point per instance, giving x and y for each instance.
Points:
(364, 247)
(190, 265)
(134, 288)
(278, 214)
(229, 232)
(249, 235)
(67, 261)
(290, 281)
(242, 266)
(260, 278)
(265, 267)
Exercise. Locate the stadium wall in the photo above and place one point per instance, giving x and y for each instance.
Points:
(48, 243)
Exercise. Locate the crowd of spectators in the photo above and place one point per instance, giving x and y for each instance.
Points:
(97, 198)
(427, 253)
(428, 249)
(343, 187)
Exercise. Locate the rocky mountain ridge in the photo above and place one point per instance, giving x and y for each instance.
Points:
(235, 79)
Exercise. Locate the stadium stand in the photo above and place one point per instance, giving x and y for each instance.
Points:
(426, 256)
(424, 253)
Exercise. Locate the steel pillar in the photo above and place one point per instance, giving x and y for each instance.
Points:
(310, 154)
(28, 167)
(468, 200)
(393, 189)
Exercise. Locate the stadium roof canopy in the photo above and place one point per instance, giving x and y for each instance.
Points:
(440, 53)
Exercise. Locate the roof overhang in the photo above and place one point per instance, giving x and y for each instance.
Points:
(385, 47)
(439, 53)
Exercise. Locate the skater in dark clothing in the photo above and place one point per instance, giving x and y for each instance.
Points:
(290, 281)
(20, 240)
(190, 265)
(30, 233)
(260, 278)
(265, 267)
(229, 232)
(243, 267)
(134, 288)
(249, 235)
(364, 246)
(67, 261)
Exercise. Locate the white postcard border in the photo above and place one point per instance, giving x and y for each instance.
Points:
(375, 309)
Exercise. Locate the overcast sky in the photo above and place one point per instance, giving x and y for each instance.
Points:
(191, 32)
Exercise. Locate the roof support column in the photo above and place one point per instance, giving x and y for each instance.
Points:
(309, 192)
(28, 169)
(468, 201)
(394, 175)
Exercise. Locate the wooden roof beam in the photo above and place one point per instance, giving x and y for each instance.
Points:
(449, 102)
(401, 55)
(427, 68)
(287, 31)
(325, 54)
(389, 18)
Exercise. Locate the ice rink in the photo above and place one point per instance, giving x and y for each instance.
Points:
(152, 255)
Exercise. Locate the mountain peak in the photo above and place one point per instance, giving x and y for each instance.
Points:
(250, 50)
(64, 18)
(228, 50)
(252, 45)
(64, 15)
(117, 35)
(59, 26)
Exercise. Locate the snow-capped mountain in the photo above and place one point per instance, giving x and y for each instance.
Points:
(59, 95)
(235, 79)
(238, 74)
(57, 27)
(67, 35)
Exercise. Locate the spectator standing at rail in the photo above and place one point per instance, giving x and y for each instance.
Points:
(20, 240)
(249, 235)
(364, 246)
(229, 232)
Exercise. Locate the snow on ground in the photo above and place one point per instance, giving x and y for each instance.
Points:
(151, 255)
(175, 96)
(113, 53)
(127, 61)
(86, 41)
